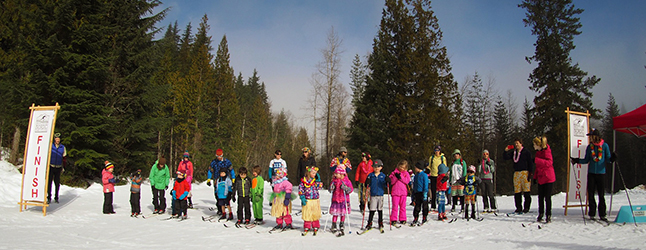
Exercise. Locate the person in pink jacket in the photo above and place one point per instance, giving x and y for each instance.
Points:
(108, 180)
(545, 177)
(340, 187)
(399, 180)
(187, 166)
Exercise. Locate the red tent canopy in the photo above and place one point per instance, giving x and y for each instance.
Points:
(633, 122)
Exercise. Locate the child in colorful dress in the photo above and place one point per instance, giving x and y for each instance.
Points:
(135, 193)
(340, 187)
(257, 194)
(441, 188)
(281, 205)
(470, 183)
(108, 180)
(399, 180)
(420, 193)
(457, 172)
(242, 188)
(308, 190)
(224, 193)
(376, 183)
(181, 187)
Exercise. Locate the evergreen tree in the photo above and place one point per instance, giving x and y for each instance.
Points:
(559, 83)
(410, 101)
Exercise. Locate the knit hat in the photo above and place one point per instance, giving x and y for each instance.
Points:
(442, 169)
(485, 151)
(306, 149)
(437, 148)
(471, 169)
(108, 165)
(420, 165)
(186, 155)
(377, 163)
(219, 152)
(456, 151)
(340, 171)
(343, 149)
(594, 132)
(181, 173)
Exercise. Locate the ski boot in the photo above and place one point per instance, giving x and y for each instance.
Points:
(315, 231)
(238, 223)
(424, 220)
(333, 228)
(368, 225)
(381, 226)
(246, 222)
(230, 216)
(288, 227)
(341, 229)
(540, 218)
(548, 219)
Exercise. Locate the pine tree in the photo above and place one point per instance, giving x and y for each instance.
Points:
(410, 102)
(558, 82)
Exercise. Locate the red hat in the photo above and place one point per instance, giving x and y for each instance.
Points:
(219, 152)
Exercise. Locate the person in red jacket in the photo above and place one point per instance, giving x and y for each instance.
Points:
(187, 166)
(108, 180)
(365, 168)
(545, 177)
(441, 188)
(179, 193)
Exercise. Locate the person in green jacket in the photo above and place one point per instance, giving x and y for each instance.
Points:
(257, 192)
(159, 179)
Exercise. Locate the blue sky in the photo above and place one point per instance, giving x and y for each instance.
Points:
(282, 40)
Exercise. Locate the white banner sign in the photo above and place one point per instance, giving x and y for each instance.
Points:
(37, 152)
(578, 179)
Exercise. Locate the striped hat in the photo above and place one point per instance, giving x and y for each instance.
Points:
(108, 165)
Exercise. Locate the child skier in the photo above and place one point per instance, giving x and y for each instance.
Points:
(340, 187)
(457, 172)
(399, 180)
(281, 205)
(224, 193)
(108, 180)
(135, 193)
(376, 183)
(420, 193)
(181, 187)
(308, 190)
(242, 188)
(441, 188)
(257, 194)
(470, 183)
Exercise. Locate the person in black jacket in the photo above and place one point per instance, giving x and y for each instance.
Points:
(306, 160)
(523, 171)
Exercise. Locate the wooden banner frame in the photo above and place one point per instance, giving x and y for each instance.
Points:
(23, 203)
(569, 164)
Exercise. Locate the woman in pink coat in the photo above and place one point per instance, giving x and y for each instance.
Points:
(399, 180)
(545, 177)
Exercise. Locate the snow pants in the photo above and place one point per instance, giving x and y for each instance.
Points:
(135, 199)
(398, 211)
(243, 204)
(107, 203)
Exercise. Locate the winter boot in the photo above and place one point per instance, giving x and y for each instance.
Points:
(333, 228)
(540, 218)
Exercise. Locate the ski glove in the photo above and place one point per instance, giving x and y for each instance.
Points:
(398, 175)
(425, 195)
(613, 157)
(113, 180)
(345, 188)
(287, 197)
(574, 160)
(303, 200)
(208, 182)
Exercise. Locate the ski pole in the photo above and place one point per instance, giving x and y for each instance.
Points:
(329, 212)
(365, 201)
(389, 222)
(347, 209)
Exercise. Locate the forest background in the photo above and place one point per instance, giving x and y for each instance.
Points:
(130, 98)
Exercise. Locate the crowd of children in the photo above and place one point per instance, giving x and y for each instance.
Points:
(458, 182)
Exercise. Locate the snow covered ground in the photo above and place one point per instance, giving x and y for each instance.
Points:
(77, 222)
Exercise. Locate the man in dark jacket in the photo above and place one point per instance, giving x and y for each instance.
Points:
(523, 170)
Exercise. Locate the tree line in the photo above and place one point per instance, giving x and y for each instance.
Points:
(130, 98)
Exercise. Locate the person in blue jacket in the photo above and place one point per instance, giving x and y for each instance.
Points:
(597, 154)
(56, 167)
(376, 183)
(218, 164)
(420, 193)
(224, 192)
